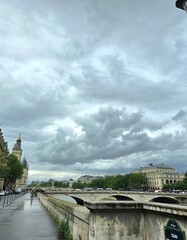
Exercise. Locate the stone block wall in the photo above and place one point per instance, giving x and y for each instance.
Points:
(117, 220)
(132, 221)
(76, 215)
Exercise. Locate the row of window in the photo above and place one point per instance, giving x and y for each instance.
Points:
(153, 182)
(159, 170)
(168, 176)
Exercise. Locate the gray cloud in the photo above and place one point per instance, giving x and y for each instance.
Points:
(94, 83)
(109, 134)
(182, 114)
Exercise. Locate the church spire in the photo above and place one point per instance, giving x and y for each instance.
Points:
(19, 137)
(16, 150)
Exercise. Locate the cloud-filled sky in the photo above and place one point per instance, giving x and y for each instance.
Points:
(94, 87)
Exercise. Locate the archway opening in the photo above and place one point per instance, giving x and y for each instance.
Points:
(165, 200)
(78, 200)
(122, 198)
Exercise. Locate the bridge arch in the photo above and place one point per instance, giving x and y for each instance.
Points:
(121, 197)
(78, 200)
(168, 200)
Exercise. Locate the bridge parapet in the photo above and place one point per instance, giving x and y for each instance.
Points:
(129, 196)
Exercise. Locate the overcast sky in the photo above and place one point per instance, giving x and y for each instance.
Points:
(94, 86)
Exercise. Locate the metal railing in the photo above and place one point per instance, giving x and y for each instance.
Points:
(8, 199)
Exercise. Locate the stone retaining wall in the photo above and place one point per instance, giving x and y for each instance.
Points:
(76, 215)
(117, 220)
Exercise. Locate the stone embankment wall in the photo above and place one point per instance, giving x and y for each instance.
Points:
(156, 217)
(76, 215)
(132, 220)
(118, 220)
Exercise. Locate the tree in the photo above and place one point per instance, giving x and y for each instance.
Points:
(180, 185)
(137, 181)
(61, 184)
(98, 183)
(79, 184)
(15, 168)
(167, 187)
(185, 182)
(109, 182)
(121, 182)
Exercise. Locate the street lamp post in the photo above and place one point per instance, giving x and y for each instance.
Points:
(182, 4)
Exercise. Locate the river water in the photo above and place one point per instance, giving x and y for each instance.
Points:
(64, 197)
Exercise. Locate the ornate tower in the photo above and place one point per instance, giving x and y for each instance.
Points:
(16, 150)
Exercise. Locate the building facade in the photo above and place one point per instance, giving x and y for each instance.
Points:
(17, 151)
(158, 175)
(3, 153)
(87, 178)
(3, 144)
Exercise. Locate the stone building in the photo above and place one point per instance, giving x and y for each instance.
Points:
(17, 151)
(87, 178)
(3, 144)
(158, 175)
(3, 152)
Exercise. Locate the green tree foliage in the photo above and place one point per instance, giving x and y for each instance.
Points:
(179, 185)
(109, 182)
(98, 183)
(121, 182)
(57, 184)
(64, 230)
(125, 182)
(166, 187)
(116, 182)
(44, 184)
(137, 181)
(185, 181)
(79, 185)
(61, 184)
(15, 168)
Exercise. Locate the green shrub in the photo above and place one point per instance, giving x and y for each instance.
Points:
(64, 230)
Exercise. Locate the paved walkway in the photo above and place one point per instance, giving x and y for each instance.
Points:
(26, 220)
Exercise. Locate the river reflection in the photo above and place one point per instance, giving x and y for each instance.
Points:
(64, 197)
(30, 203)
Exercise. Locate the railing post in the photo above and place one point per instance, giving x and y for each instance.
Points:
(4, 201)
(7, 200)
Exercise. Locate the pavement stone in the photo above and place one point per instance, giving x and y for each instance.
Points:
(26, 219)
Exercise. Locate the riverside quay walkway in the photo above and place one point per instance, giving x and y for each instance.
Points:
(26, 218)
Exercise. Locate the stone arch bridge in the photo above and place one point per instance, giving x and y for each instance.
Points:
(143, 197)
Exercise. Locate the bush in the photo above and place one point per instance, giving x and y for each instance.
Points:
(64, 230)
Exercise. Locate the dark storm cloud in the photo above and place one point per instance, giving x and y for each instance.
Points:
(181, 118)
(27, 106)
(108, 134)
(182, 114)
(68, 68)
(124, 86)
